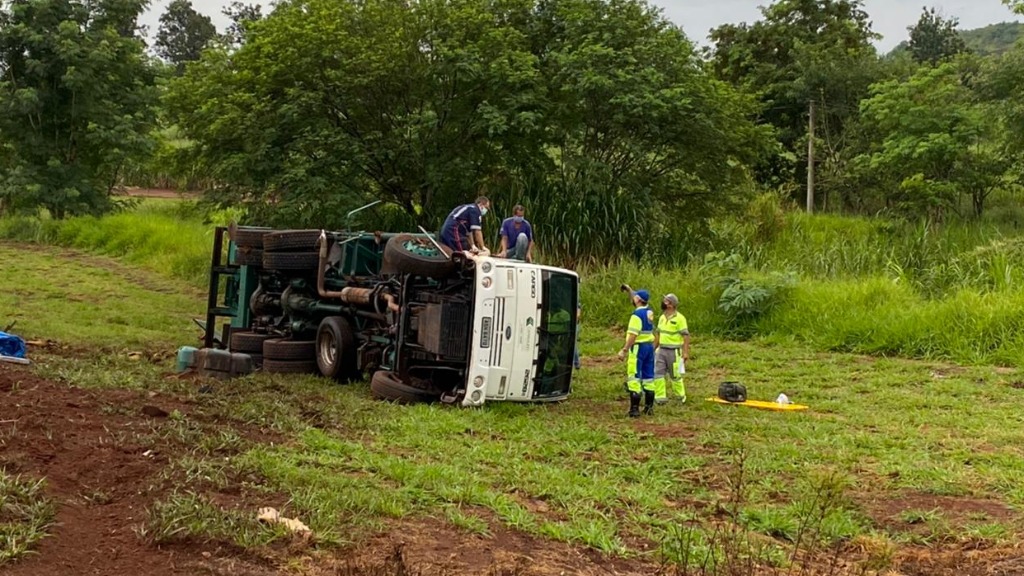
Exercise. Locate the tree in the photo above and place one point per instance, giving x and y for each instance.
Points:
(1000, 86)
(183, 34)
(933, 141)
(800, 51)
(631, 116)
(384, 100)
(596, 115)
(1015, 5)
(76, 102)
(240, 15)
(994, 38)
(935, 38)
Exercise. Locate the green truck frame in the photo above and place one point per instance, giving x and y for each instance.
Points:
(424, 323)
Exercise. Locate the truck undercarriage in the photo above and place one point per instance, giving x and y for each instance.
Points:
(398, 307)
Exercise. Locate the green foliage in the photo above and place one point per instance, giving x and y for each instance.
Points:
(167, 167)
(934, 38)
(189, 516)
(594, 115)
(800, 51)
(1015, 5)
(1001, 85)
(240, 15)
(183, 34)
(75, 103)
(167, 237)
(930, 142)
(994, 38)
(26, 514)
(742, 297)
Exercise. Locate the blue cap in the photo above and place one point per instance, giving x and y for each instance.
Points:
(643, 295)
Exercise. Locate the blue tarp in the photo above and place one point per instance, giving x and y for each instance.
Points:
(11, 345)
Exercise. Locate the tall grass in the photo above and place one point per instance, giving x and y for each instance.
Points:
(868, 285)
(876, 286)
(166, 236)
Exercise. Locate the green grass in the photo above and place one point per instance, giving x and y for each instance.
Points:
(25, 515)
(189, 517)
(95, 302)
(168, 237)
(581, 472)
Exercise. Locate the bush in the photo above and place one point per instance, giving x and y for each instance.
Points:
(742, 297)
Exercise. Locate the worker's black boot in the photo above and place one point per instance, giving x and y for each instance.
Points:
(649, 402)
(634, 404)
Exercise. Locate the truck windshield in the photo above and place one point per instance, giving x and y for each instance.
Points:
(557, 334)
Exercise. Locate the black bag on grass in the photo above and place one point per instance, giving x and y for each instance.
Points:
(732, 392)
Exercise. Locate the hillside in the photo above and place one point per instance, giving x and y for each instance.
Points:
(991, 39)
(994, 38)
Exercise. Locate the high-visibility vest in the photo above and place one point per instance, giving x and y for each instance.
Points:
(671, 330)
(641, 323)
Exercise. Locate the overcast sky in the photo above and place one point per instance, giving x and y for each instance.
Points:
(890, 17)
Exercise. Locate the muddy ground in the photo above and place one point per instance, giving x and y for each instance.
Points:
(101, 454)
(105, 463)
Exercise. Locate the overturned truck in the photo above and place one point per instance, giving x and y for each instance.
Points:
(424, 323)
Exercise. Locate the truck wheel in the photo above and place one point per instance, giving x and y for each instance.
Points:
(248, 342)
(409, 254)
(282, 349)
(336, 349)
(291, 260)
(291, 240)
(248, 256)
(386, 386)
(248, 236)
(289, 366)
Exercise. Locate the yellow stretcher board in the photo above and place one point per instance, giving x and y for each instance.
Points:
(762, 404)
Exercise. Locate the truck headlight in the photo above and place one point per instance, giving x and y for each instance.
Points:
(486, 282)
(475, 396)
(486, 267)
(478, 381)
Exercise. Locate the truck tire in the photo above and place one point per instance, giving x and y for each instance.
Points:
(408, 254)
(248, 257)
(283, 349)
(386, 386)
(336, 349)
(291, 240)
(291, 260)
(248, 342)
(289, 366)
(248, 236)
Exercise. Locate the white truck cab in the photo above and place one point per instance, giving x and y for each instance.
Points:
(524, 332)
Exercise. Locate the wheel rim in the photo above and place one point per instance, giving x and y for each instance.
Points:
(421, 249)
(327, 348)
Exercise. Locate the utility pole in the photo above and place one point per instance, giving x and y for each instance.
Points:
(810, 159)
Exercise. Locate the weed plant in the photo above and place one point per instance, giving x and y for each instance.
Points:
(25, 515)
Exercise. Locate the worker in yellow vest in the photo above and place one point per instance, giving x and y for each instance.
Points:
(640, 349)
(672, 350)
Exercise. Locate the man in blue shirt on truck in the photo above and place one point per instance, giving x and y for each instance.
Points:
(462, 231)
(517, 236)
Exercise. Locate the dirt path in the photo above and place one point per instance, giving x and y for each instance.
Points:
(104, 466)
(83, 442)
(160, 193)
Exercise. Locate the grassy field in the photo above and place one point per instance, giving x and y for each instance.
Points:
(94, 302)
(895, 456)
(846, 284)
